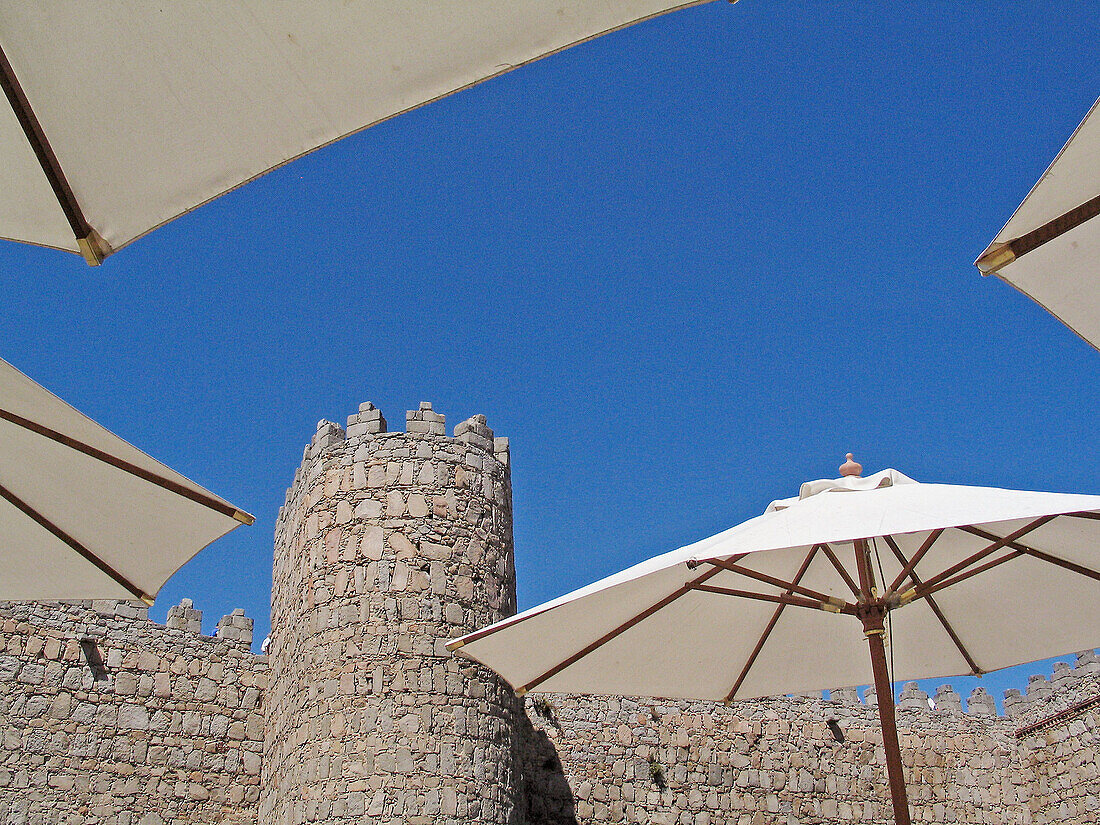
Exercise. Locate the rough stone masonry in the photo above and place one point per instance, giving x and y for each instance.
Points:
(388, 545)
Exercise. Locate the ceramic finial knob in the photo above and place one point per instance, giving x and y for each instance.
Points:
(850, 467)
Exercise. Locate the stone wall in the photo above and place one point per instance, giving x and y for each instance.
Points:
(638, 760)
(805, 760)
(109, 718)
(388, 545)
(1059, 732)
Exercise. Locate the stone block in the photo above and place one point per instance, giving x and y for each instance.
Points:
(184, 617)
(418, 505)
(367, 422)
(425, 421)
(133, 717)
(947, 700)
(1015, 703)
(368, 508)
(235, 627)
(329, 434)
(1088, 662)
(980, 703)
(1038, 687)
(845, 696)
(475, 431)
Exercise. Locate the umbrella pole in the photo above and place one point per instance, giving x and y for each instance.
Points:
(872, 612)
(884, 692)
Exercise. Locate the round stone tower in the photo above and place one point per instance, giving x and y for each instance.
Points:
(390, 544)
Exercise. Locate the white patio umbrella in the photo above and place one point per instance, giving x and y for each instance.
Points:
(1050, 247)
(125, 115)
(782, 603)
(83, 514)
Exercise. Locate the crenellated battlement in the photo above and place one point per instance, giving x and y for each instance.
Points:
(369, 425)
(1040, 691)
(95, 618)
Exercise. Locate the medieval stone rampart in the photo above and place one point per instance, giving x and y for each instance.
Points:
(809, 760)
(1058, 727)
(109, 718)
(388, 545)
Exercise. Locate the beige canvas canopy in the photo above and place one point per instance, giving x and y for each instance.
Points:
(957, 579)
(125, 115)
(83, 514)
(1050, 247)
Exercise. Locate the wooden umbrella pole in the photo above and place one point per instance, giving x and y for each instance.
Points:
(872, 612)
(884, 693)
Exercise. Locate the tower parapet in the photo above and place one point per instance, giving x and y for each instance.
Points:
(388, 545)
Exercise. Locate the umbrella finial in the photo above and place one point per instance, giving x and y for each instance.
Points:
(850, 467)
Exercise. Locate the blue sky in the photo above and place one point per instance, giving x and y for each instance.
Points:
(683, 268)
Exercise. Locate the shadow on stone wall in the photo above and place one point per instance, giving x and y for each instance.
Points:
(545, 797)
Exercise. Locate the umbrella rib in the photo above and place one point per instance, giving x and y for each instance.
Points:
(1006, 253)
(893, 545)
(839, 569)
(1063, 563)
(788, 599)
(126, 466)
(1039, 554)
(1085, 514)
(83, 551)
(92, 247)
(926, 589)
(768, 630)
(687, 587)
(772, 580)
(992, 548)
(908, 567)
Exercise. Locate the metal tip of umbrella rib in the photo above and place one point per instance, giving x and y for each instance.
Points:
(850, 467)
(995, 259)
(93, 248)
(244, 518)
(906, 597)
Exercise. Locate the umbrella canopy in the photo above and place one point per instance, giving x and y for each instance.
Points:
(697, 642)
(83, 514)
(126, 115)
(1050, 247)
(953, 579)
